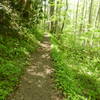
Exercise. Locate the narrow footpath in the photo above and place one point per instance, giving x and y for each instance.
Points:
(37, 83)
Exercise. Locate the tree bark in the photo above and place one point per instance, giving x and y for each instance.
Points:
(81, 25)
(98, 15)
(90, 12)
(51, 15)
(77, 14)
(63, 24)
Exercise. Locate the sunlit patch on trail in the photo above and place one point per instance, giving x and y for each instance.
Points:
(37, 82)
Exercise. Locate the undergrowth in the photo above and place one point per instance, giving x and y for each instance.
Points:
(14, 54)
(13, 58)
(77, 67)
(18, 40)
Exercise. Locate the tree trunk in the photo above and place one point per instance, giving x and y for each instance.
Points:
(97, 17)
(81, 25)
(77, 14)
(63, 24)
(90, 13)
(51, 15)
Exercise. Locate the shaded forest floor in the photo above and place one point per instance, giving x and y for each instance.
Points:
(37, 82)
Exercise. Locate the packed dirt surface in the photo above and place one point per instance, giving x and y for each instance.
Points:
(37, 83)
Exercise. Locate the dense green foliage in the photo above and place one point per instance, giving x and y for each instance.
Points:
(76, 48)
(13, 58)
(77, 66)
(75, 43)
(19, 37)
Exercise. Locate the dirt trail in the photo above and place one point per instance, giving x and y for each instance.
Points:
(37, 83)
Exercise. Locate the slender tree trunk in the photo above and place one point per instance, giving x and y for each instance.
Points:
(77, 14)
(45, 13)
(98, 14)
(90, 13)
(64, 16)
(85, 16)
(51, 14)
(81, 25)
(56, 14)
